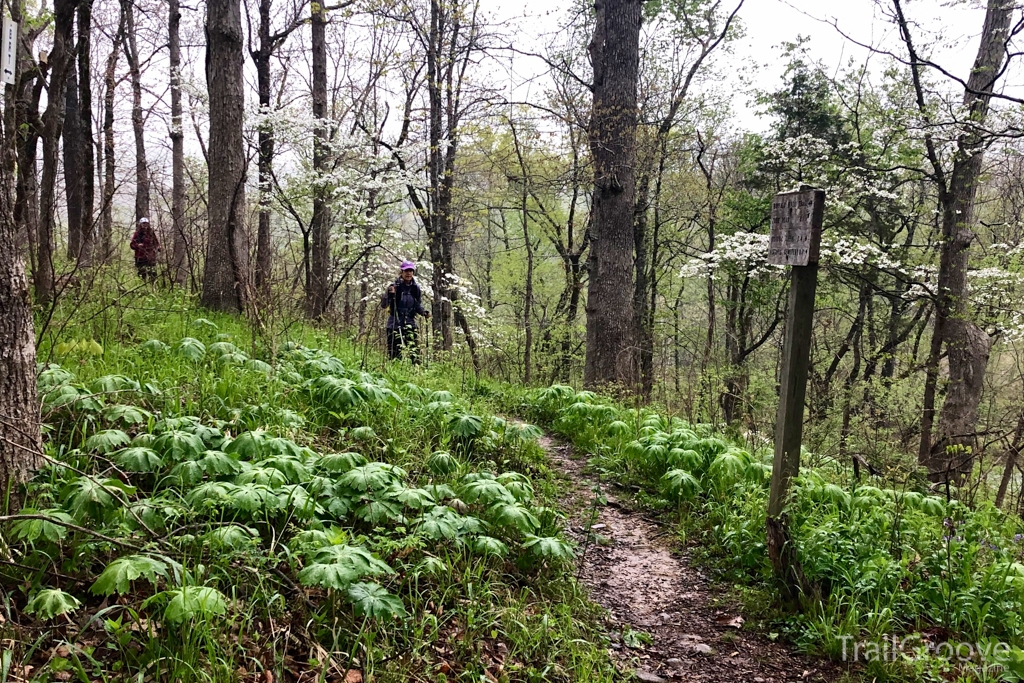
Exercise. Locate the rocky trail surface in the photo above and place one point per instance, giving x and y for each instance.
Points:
(653, 594)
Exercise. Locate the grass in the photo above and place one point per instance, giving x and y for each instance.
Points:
(222, 502)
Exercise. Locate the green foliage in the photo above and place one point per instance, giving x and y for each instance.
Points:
(119, 574)
(371, 600)
(194, 603)
(216, 484)
(106, 441)
(51, 602)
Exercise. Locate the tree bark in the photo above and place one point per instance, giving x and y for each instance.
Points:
(53, 122)
(72, 148)
(265, 157)
(611, 340)
(226, 271)
(320, 226)
(20, 434)
(109, 159)
(179, 258)
(31, 79)
(86, 157)
(131, 53)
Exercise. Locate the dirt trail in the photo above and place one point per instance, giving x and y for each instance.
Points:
(647, 588)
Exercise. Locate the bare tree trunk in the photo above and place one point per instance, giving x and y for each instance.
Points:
(614, 49)
(86, 158)
(72, 149)
(131, 53)
(109, 167)
(320, 226)
(179, 258)
(1012, 453)
(28, 126)
(53, 122)
(20, 435)
(227, 257)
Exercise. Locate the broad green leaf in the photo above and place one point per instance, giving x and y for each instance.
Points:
(194, 602)
(190, 348)
(414, 498)
(681, 484)
(217, 462)
(119, 574)
(376, 511)
(514, 516)
(249, 445)
(485, 491)
(548, 547)
(179, 445)
(372, 600)
(363, 434)
(113, 383)
(106, 441)
(372, 476)
(51, 602)
(486, 545)
(268, 476)
(155, 346)
(30, 530)
(340, 462)
(86, 495)
(222, 347)
(139, 459)
(466, 426)
(126, 414)
(187, 473)
(442, 463)
(231, 536)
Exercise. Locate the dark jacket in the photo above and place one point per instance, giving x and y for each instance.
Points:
(145, 245)
(404, 305)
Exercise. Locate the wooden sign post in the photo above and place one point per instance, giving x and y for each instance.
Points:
(794, 241)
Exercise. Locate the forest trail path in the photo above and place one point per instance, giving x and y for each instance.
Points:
(648, 588)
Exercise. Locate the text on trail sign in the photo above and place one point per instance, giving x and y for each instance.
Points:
(8, 51)
(796, 227)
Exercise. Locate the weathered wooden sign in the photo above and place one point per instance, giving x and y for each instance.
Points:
(796, 227)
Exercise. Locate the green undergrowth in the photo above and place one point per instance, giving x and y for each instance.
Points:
(215, 507)
(888, 560)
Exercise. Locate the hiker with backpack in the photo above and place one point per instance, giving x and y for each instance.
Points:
(403, 300)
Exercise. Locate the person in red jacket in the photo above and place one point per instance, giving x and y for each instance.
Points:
(145, 245)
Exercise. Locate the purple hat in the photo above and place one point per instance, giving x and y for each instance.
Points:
(408, 265)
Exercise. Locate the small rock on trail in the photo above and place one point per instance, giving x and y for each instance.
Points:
(648, 588)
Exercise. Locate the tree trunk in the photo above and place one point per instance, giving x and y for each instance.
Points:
(20, 435)
(614, 50)
(316, 296)
(109, 160)
(1012, 453)
(131, 53)
(28, 126)
(227, 256)
(967, 346)
(72, 149)
(265, 157)
(53, 122)
(86, 157)
(179, 258)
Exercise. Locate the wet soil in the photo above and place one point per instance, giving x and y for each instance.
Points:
(650, 587)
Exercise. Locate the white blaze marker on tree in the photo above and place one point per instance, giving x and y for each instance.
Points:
(794, 241)
(9, 53)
